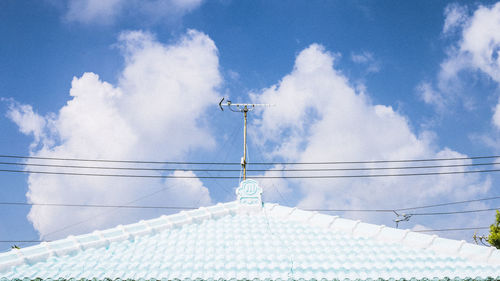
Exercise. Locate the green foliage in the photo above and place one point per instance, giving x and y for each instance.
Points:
(494, 237)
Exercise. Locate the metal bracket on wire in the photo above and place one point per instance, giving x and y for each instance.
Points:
(401, 217)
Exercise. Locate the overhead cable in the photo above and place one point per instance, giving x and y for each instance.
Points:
(250, 170)
(409, 214)
(454, 212)
(116, 161)
(379, 161)
(424, 230)
(449, 203)
(98, 206)
(169, 207)
(257, 163)
(255, 177)
(24, 241)
(306, 209)
(452, 229)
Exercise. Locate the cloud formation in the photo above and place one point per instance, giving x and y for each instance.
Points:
(366, 58)
(321, 117)
(106, 12)
(139, 118)
(455, 17)
(479, 46)
(477, 50)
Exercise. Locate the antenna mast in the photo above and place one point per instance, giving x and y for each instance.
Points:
(245, 108)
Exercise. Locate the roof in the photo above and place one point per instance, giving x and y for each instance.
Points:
(246, 239)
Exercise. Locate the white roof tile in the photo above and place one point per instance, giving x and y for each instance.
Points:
(226, 241)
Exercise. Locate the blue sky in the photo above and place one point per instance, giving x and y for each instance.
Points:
(351, 81)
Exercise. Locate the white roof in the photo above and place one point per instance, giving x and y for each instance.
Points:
(242, 241)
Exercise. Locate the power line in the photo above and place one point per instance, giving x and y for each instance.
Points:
(425, 230)
(452, 229)
(379, 161)
(257, 163)
(98, 206)
(117, 168)
(255, 177)
(449, 203)
(411, 214)
(117, 161)
(116, 175)
(169, 207)
(377, 168)
(24, 241)
(454, 212)
(317, 210)
(352, 210)
(105, 213)
(250, 170)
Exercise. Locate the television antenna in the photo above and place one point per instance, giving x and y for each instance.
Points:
(244, 108)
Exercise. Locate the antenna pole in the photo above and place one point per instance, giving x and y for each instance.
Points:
(244, 159)
(245, 108)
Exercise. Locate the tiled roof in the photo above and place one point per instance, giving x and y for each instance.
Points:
(228, 241)
(267, 279)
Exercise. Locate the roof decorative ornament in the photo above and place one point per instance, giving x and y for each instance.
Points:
(250, 194)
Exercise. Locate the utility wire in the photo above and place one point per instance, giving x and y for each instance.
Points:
(454, 212)
(453, 229)
(257, 163)
(105, 213)
(117, 168)
(411, 214)
(449, 203)
(168, 207)
(426, 230)
(255, 177)
(379, 161)
(24, 241)
(250, 170)
(358, 210)
(116, 161)
(98, 206)
(317, 210)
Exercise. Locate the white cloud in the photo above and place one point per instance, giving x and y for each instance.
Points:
(477, 50)
(419, 227)
(106, 12)
(235, 76)
(87, 11)
(496, 116)
(431, 96)
(275, 189)
(320, 117)
(29, 122)
(362, 57)
(480, 44)
(455, 16)
(367, 59)
(139, 118)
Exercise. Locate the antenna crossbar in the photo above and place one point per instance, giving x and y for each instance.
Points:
(250, 104)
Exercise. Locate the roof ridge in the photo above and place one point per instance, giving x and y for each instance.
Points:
(98, 238)
(412, 239)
